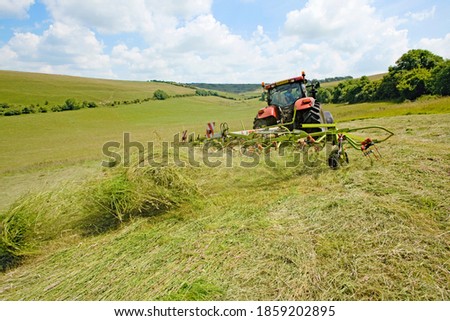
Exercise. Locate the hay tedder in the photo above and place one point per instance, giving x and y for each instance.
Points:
(293, 119)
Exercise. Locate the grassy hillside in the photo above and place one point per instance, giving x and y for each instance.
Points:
(426, 105)
(79, 135)
(34, 88)
(73, 230)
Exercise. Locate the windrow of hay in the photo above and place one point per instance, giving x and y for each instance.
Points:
(92, 208)
(137, 191)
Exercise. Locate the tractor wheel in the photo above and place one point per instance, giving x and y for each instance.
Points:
(264, 122)
(312, 115)
(309, 116)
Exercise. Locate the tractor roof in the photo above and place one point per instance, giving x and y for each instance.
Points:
(283, 82)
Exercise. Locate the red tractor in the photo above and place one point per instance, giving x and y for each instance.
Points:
(290, 106)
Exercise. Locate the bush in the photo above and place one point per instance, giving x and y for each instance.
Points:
(71, 104)
(203, 92)
(440, 79)
(13, 112)
(87, 104)
(160, 95)
(324, 95)
(28, 110)
(412, 84)
(57, 108)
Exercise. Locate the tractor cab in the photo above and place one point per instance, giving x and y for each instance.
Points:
(290, 89)
(288, 103)
(287, 94)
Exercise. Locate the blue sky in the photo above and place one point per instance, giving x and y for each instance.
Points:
(217, 40)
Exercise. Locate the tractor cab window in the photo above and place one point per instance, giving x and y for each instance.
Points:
(286, 95)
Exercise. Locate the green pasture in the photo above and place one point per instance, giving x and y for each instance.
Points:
(24, 88)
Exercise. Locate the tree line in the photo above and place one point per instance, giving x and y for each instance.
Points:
(416, 73)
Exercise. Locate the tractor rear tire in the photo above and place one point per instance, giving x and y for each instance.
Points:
(264, 122)
(309, 116)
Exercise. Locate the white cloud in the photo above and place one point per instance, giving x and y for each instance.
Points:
(60, 49)
(15, 8)
(439, 46)
(354, 38)
(323, 19)
(142, 16)
(201, 50)
(422, 15)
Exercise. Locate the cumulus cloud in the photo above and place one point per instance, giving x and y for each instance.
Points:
(353, 37)
(141, 16)
(15, 8)
(60, 49)
(202, 50)
(439, 46)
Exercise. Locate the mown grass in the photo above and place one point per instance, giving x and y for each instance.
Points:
(365, 232)
(97, 206)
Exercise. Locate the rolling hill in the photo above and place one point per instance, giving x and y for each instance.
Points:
(36, 88)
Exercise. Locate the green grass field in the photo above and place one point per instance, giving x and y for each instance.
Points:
(32, 88)
(83, 232)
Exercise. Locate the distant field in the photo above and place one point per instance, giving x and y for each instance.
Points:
(347, 112)
(78, 135)
(34, 88)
